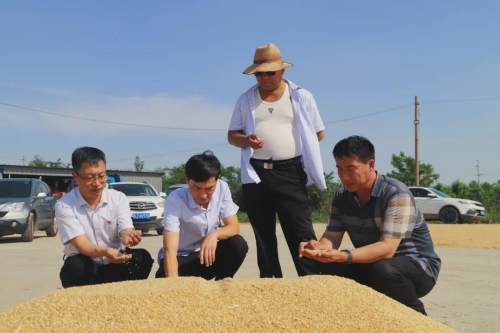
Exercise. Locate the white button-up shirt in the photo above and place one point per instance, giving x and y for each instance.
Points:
(307, 122)
(101, 225)
(192, 221)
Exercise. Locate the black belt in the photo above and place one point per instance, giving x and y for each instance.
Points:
(273, 164)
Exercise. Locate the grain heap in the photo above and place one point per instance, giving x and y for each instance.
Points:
(314, 303)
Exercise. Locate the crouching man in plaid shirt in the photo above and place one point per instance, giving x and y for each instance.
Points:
(393, 253)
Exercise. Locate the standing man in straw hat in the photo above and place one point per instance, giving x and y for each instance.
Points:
(278, 128)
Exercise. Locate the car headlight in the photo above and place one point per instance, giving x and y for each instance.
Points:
(13, 206)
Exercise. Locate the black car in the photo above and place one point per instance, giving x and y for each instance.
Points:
(26, 205)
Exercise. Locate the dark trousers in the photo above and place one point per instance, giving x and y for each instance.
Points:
(80, 270)
(229, 256)
(282, 191)
(399, 278)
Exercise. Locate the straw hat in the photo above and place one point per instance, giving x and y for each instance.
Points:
(267, 58)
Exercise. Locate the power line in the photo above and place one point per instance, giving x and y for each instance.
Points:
(463, 100)
(201, 129)
(204, 129)
(111, 122)
(404, 106)
(371, 114)
(117, 123)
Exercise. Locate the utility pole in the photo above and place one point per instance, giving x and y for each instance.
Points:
(478, 174)
(417, 123)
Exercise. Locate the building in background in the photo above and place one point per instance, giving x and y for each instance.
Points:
(60, 179)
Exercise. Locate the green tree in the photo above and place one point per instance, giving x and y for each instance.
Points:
(174, 175)
(404, 170)
(231, 175)
(138, 164)
(58, 164)
(39, 162)
(320, 200)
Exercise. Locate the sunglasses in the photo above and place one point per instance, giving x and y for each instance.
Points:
(271, 73)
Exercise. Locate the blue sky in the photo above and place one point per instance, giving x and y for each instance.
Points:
(179, 64)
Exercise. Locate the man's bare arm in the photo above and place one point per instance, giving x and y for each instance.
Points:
(376, 251)
(85, 247)
(170, 246)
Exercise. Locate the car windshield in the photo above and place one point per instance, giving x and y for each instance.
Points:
(15, 189)
(134, 190)
(439, 193)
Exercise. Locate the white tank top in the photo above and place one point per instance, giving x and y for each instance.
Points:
(274, 124)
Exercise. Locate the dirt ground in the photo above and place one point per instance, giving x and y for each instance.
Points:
(479, 236)
(466, 296)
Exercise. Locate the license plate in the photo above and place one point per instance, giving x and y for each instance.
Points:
(140, 216)
(482, 213)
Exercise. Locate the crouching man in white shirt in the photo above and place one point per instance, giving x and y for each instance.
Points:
(96, 228)
(194, 241)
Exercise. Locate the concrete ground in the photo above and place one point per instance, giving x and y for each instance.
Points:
(466, 297)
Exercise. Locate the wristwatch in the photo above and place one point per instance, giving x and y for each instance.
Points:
(349, 256)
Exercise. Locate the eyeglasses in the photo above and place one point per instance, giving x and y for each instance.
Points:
(90, 178)
(269, 74)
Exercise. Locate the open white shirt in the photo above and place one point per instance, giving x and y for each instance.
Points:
(306, 122)
(101, 225)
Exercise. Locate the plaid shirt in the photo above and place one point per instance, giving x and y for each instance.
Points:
(390, 213)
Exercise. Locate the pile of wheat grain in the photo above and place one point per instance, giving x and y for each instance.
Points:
(313, 304)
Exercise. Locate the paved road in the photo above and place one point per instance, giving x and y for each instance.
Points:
(466, 297)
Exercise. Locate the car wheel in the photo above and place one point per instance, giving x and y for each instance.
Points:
(159, 231)
(51, 231)
(30, 228)
(449, 214)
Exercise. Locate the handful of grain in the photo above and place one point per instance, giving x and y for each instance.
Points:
(317, 252)
(125, 256)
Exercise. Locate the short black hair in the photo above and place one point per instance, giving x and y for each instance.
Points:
(202, 167)
(355, 145)
(86, 155)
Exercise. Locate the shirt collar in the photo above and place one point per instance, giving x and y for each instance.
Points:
(291, 85)
(376, 191)
(378, 186)
(191, 203)
(81, 201)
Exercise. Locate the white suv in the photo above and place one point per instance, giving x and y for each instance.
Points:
(146, 205)
(436, 204)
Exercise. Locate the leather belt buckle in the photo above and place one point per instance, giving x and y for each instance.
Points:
(268, 165)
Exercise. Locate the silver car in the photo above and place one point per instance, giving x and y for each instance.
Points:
(26, 205)
(436, 204)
